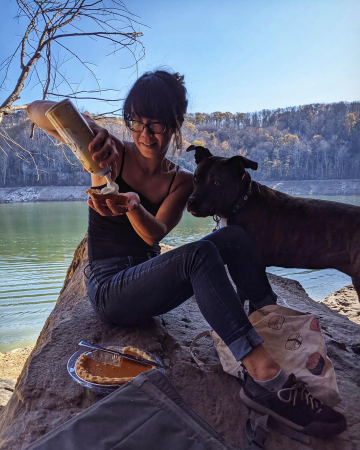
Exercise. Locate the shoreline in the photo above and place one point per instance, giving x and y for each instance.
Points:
(12, 362)
(77, 193)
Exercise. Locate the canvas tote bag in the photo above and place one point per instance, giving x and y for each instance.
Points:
(294, 340)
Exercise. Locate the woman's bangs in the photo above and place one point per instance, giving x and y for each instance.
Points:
(150, 100)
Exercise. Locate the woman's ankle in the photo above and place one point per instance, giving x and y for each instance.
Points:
(260, 365)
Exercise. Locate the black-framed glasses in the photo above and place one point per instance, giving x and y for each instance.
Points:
(154, 127)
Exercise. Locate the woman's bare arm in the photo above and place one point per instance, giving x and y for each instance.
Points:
(104, 144)
(36, 111)
(106, 148)
(153, 229)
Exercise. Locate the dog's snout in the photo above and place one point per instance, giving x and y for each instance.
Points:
(191, 201)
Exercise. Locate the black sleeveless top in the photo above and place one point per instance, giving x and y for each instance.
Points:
(115, 236)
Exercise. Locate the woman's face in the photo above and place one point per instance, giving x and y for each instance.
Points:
(151, 145)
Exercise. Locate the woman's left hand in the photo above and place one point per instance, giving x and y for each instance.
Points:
(112, 210)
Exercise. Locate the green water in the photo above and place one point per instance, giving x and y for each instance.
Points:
(37, 243)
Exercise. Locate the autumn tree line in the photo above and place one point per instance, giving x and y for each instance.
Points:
(316, 141)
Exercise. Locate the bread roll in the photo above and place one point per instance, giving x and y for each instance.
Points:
(118, 199)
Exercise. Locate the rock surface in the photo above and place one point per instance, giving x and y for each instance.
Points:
(66, 193)
(345, 301)
(45, 396)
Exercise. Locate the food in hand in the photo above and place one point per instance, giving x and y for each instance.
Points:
(118, 199)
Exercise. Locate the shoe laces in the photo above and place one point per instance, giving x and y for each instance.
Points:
(298, 391)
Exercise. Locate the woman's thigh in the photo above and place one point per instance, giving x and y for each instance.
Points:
(147, 289)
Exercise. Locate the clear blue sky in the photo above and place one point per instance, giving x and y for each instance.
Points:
(237, 55)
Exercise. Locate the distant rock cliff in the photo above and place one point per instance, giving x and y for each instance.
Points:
(71, 193)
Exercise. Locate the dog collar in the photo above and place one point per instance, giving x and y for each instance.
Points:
(240, 204)
(237, 206)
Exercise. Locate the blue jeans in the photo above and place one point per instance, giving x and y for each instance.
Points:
(129, 290)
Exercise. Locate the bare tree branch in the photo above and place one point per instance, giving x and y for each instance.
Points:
(102, 115)
(86, 98)
(48, 23)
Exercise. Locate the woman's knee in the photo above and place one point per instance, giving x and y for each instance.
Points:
(231, 235)
(203, 248)
(233, 231)
(195, 255)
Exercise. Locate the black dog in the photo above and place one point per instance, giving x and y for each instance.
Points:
(287, 231)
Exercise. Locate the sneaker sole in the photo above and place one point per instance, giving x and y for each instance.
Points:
(321, 430)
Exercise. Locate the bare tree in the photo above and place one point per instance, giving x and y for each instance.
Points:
(47, 44)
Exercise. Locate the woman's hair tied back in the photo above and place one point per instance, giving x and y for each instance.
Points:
(159, 95)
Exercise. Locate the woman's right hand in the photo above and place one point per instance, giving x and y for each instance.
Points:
(112, 209)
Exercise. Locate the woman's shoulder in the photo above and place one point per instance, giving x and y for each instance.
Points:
(183, 177)
(184, 174)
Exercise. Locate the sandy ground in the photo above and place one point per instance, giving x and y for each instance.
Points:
(11, 363)
(345, 302)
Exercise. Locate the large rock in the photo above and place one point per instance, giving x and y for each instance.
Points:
(45, 396)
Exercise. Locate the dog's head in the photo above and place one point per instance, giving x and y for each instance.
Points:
(218, 182)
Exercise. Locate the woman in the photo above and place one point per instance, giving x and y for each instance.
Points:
(130, 281)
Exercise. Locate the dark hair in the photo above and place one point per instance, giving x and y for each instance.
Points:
(159, 95)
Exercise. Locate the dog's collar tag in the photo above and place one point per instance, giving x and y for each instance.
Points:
(216, 219)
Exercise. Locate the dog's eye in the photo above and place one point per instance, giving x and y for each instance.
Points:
(217, 182)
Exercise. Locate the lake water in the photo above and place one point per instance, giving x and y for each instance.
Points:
(37, 243)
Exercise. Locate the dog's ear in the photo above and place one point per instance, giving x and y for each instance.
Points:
(243, 162)
(200, 152)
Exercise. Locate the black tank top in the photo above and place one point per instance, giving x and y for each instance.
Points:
(115, 236)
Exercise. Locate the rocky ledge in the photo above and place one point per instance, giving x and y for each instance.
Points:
(316, 187)
(43, 194)
(45, 396)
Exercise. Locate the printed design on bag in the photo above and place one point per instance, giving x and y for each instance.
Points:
(240, 375)
(293, 342)
(315, 326)
(241, 372)
(315, 363)
(276, 322)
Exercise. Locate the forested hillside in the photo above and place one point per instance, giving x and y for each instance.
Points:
(317, 141)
